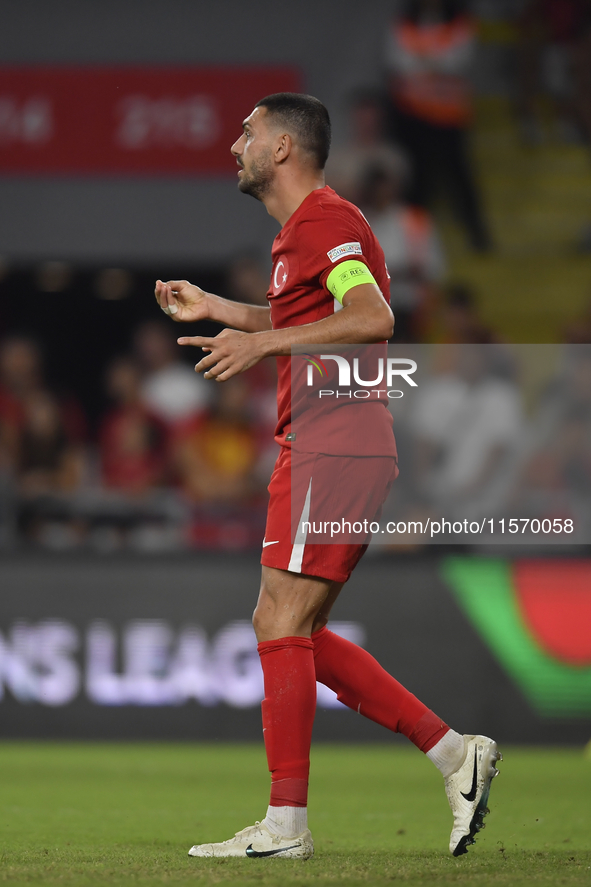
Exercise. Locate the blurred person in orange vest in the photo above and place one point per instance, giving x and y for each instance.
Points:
(413, 251)
(429, 53)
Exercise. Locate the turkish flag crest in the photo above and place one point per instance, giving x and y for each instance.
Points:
(280, 275)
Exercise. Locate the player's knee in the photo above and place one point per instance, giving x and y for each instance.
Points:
(269, 622)
(263, 617)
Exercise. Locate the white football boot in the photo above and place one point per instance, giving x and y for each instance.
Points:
(256, 842)
(467, 790)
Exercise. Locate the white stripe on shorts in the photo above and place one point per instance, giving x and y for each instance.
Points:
(297, 552)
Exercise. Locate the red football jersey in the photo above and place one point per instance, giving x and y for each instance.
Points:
(324, 231)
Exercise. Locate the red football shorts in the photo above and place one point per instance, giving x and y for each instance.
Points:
(309, 497)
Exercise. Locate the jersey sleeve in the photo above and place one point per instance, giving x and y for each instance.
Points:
(332, 245)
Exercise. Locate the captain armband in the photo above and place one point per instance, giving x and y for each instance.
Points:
(347, 275)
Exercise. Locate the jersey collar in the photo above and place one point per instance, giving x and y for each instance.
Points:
(313, 197)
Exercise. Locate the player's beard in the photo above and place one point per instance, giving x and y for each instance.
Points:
(258, 181)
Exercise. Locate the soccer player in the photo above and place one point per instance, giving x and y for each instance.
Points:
(325, 258)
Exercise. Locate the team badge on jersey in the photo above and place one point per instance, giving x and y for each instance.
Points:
(345, 249)
(280, 275)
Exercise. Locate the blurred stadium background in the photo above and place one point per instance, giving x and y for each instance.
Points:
(133, 494)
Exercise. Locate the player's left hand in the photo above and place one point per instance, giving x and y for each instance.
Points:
(229, 353)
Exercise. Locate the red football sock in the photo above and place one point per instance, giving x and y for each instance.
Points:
(288, 716)
(363, 685)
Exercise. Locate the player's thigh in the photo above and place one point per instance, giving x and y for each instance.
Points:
(290, 602)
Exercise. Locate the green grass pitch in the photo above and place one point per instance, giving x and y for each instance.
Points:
(88, 814)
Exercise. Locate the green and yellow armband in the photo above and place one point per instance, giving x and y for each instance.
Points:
(347, 275)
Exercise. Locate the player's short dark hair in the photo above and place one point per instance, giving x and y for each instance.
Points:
(305, 117)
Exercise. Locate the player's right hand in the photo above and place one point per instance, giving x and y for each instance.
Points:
(181, 300)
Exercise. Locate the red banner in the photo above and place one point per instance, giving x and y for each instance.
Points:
(129, 121)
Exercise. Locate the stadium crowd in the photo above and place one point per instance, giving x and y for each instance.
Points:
(168, 458)
(173, 461)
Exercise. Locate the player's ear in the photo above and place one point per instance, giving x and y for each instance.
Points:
(283, 147)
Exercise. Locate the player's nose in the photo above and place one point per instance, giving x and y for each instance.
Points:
(235, 149)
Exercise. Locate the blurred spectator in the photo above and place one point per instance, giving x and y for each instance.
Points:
(412, 248)
(22, 376)
(47, 461)
(171, 389)
(216, 455)
(49, 467)
(469, 428)
(132, 441)
(365, 148)
(54, 276)
(555, 57)
(41, 445)
(21, 370)
(247, 281)
(460, 320)
(429, 54)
